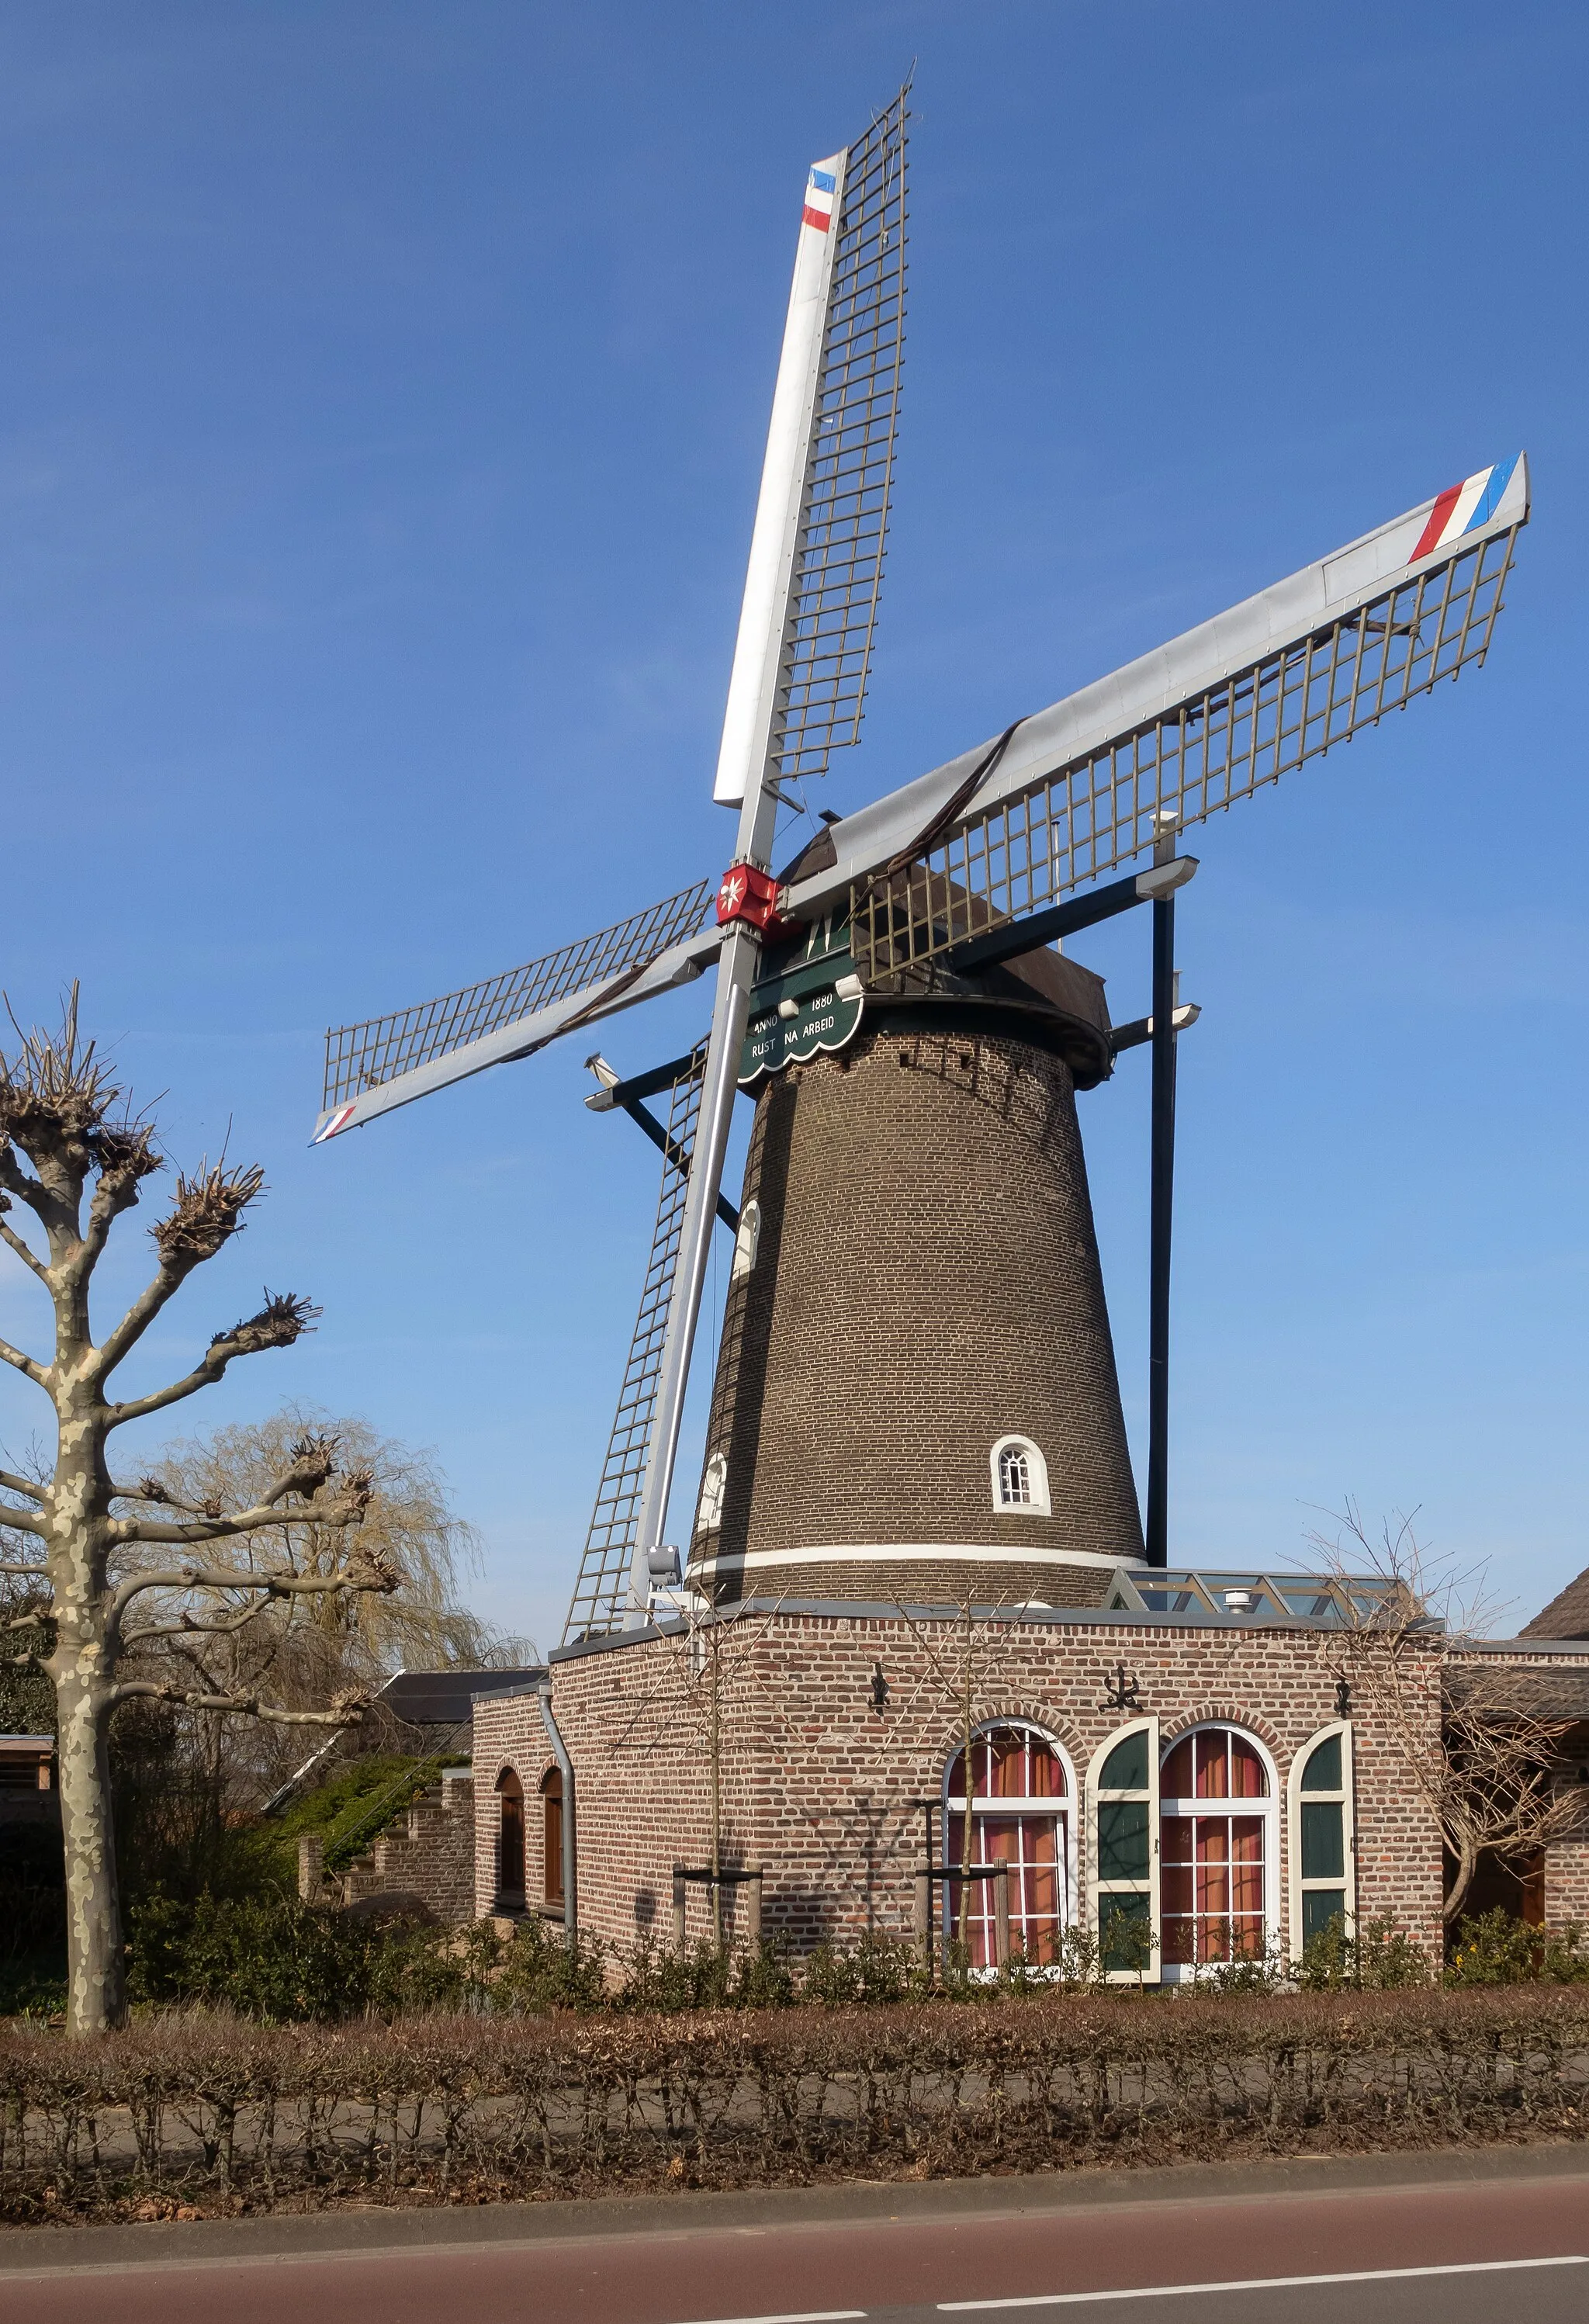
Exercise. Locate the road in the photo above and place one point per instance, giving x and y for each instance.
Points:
(1461, 2251)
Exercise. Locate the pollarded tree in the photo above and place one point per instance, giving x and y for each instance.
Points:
(88, 1537)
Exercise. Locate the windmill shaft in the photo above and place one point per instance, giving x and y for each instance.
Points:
(1162, 1212)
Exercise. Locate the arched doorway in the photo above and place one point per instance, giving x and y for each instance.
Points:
(551, 1814)
(510, 1840)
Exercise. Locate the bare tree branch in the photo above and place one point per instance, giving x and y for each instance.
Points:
(23, 1364)
(23, 1521)
(12, 1483)
(344, 1713)
(342, 1509)
(283, 1319)
(1475, 1751)
(14, 1241)
(372, 1574)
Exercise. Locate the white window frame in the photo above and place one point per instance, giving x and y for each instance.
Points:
(709, 1512)
(1036, 1468)
(1097, 1888)
(1066, 1812)
(1347, 1797)
(1188, 1972)
(747, 1241)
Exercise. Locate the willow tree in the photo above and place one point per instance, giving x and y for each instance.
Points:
(108, 1603)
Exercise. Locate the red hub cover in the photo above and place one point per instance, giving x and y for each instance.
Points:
(744, 893)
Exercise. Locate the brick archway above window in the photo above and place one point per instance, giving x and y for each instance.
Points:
(1222, 1714)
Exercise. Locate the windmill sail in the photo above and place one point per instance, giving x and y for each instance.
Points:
(818, 544)
(389, 1061)
(1071, 792)
(601, 1594)
(798, 681)
(844, 522)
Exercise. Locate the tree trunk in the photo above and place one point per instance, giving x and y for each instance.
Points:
(1467, 1864)
(96, 1982)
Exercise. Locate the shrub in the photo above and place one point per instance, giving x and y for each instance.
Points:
(1381, 1958)
(1496, 1950)
(212, 2112)
(280, 1961)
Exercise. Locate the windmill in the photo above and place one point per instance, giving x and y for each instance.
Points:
(970, 868)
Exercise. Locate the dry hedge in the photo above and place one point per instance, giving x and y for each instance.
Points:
(214, 2114)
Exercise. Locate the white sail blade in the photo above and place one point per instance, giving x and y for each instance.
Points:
(756, 726)
(753, 684)
(390, 1061)
(1073, 791)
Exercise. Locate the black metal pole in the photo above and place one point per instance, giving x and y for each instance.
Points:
(1161, 1210)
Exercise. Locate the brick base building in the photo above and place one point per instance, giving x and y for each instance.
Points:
(1202, 1772)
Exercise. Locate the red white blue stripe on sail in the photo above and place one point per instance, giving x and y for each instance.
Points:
(1464, 508)
(818, 209)
(332, 1124)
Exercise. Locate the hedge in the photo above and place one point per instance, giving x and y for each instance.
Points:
(202, 2113)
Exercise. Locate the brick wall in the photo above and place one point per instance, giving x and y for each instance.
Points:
(927, 1281)
(429, 1853)
(817, 1783)
(511, 1734)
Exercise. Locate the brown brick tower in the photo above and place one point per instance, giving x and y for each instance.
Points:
(916, 1389)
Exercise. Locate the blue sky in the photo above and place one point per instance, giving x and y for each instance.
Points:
(380, 421)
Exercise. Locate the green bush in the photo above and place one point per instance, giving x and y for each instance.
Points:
(277, 1961)
(271, 1959)
(1381, 1958)
(1497, 1950)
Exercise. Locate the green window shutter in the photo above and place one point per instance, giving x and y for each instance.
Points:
(1320, 1906)
(1125, 1844)
(1323, 1841)
(1122, 1852)
(1323, 1837)
(1126, 1767)
(1125, 1934)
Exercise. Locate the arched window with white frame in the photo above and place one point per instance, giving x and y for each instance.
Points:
(1323, 1836)
(1020, 1477)
(1019, 1805)
(1218, 1859)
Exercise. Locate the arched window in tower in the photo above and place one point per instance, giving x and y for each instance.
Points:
(747, 1241)
(1020, 1478)
(509, 1842)
(708, 1515)
(551, 1820)
(1020, 1808)
(1218, 1854)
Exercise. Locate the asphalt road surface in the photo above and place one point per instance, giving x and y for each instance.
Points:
(1453, 2253)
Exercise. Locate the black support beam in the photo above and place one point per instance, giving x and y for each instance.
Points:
(1010, 938)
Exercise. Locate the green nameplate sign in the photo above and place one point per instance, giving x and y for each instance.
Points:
(820, 1021)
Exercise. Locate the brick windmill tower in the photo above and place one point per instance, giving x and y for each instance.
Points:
(916, 1394)
(916, 1386)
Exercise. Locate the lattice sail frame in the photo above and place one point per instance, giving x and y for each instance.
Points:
(600, 1603)
(843, 526)
(360, 1057)
(1197, 757)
